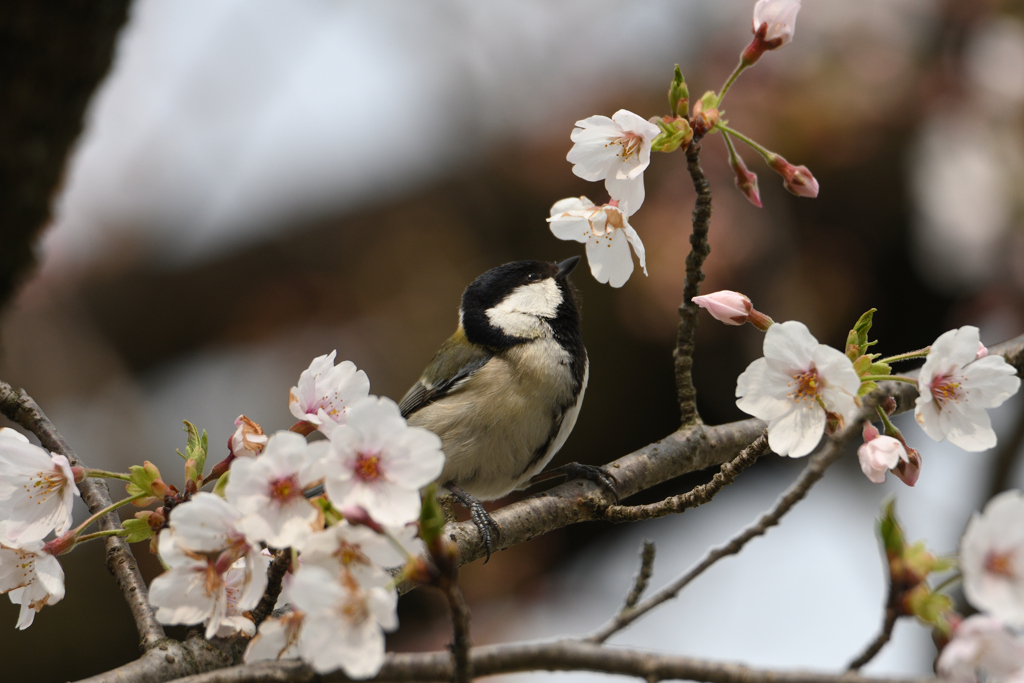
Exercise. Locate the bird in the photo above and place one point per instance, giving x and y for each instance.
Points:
(504, 391)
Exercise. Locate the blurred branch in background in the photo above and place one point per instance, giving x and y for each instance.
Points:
(52, 57)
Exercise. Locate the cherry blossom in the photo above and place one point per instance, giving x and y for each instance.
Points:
(278, 638)
(268, 490)
(345, 620)
(380, 463)
(248, 438)
(37, 490)
(956, 387)
(31, 577)
(359, 549)
(616, 150)
(607, 234)
(982, 649)
(326, 391)
(879, 454)
(793, 386)
(202, 545)
(992, 558)
(731, 308)
(779, 19)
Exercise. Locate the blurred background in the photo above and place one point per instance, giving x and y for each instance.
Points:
(261, 182)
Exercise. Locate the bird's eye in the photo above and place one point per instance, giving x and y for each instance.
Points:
(532, 277)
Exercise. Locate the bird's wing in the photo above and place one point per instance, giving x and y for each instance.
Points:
(454, 363)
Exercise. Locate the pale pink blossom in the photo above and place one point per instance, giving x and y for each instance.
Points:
(201, 546)
(31, 577)
(278, 638)
(731, 308)
(793, 386)
(325, 391)
(879, 454)
(345, 620)
(982, 649)
(360, 549)
(607, 234)
(380, 463)
(992, 558)
(37, 490)
(616, 150)
(234, 620)
(268, 490)
(779, 19)
(956, 387)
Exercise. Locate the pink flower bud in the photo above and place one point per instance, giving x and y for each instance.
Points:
(797, 179)
(731, 308)
(779, 19)
(870, 432)
(982, 352)
(746, 182)
(879, 454)
(61, 544)
(909, 470)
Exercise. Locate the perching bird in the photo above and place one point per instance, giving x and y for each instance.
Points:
(504, 391)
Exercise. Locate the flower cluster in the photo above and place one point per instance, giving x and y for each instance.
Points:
(988, 646)
(370, 468)
(37, 490)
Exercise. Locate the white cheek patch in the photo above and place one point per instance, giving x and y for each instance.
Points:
(519, 314)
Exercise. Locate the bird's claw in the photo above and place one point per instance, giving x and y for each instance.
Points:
(481, 518)
(598, 475)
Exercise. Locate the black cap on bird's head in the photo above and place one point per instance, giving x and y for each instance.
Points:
(520, 301)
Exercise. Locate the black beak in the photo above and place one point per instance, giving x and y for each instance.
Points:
(567, 266)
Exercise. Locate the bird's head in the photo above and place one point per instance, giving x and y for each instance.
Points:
(517, 302)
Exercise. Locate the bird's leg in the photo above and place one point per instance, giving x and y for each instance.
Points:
(576, 470)
(479, 515)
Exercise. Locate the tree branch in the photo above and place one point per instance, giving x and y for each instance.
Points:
(891, 615)
(699, 250)
(275, 575)
(20, 408)
(699, 495)
(643, 577)
(561, 655)
(462, 671)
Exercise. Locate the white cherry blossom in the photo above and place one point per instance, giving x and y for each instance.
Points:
(956, 387)
(992, 558)
(31, 577)
(37, 490)
(200, 548)
(982, 649)
(326, 391)
(780, 17)
(278, 638)
(248, 438)
(359, 549)
(380, 463)
(616, 150)
(268, 490)
(794, 384)
(345, 620)
(607, 234)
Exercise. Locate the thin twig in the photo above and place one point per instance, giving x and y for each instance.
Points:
(462, 672)
(643, 577)
(699, 250)
(560, 655)
(811, 474)
(697, 496)
(275, 575)
(20, 408)
(891, 615)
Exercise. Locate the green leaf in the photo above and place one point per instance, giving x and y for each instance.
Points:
(678, 94)
(222, 482)
(927, 605)
(431, 516)
(196, 449)
(138, 530)
(141, 478)
(889, 529)
(866, 388)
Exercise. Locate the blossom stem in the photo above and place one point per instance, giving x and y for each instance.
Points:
(740, 68)
(107, 475)
(110, 508)
(949, 581)
(101, 534)
(763, 151)
(888, 378)
(890, 428)
(920, 353)
(733, 156)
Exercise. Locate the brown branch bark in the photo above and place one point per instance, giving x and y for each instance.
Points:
(643, 577)
(20, 408)
(561, 655)
(699, 495)
(876, 645)
(699, 250)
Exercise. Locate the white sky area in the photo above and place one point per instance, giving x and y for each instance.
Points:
(226, 121)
